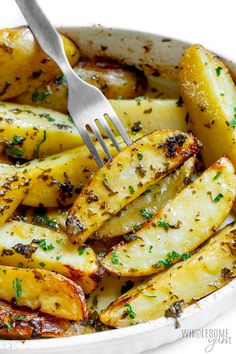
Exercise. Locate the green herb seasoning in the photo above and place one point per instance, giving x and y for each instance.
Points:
(101, 254)
(149, 295)
(7, 325)
(18, 318)
(41, 218)
(81, 250)
(130, 311)
(140, 156)
(163, 224)
(185, 256)
(136, 227)
(218, 174)
(37, 148)
(232, 123)
(42, 264)
(114, 258)
(218, 70)
(146, 214)
(42, 244)
(14, 151)
(37, 97)
(131, 190)
(17, 286)
(150, 249)
(58, 257)
(218, 198)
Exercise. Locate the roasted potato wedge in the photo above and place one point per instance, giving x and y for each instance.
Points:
(180, 226)
(115, 185)
(18, 323)
(114, 80)
(13, 188)
(209, 94)
(109, 290)
(141, 209)
(47, 291)
(37, 247)
(167, 293)
(24, 64)
(56, 180)
(28, 132)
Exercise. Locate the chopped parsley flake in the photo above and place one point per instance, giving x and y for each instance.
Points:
(41, 218)
(137, 227)
(218, 198)
(7, 325)
(17, 288)
(232, 123)
(149, 295)
(37, 96)
(218, 174)
(101, 254)
(81, 250)
(146, 214)
(42, 264)
(14, 151)
(42, 244)
(218, 70)
(171, 256)
(130, 311)
(114, 258)
(105, 178)
(18, 318)
(140, 156)
(40, 143)
(150, 249)
(131, 190)
(164, 224)
(58, 257)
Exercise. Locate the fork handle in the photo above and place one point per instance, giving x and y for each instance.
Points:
(47, 37)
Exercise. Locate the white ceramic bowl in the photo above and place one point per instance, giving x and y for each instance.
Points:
(154, 54)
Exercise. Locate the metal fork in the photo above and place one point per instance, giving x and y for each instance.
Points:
(86, 104)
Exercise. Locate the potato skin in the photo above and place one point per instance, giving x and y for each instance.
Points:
(23, 323)
(114, 80)
(24, 65)
(209, 95)
(207, 270)
(47, 291)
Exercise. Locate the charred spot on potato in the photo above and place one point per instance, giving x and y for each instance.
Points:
(172, 143)
(174, 311)
(25, 250)
(226, 273)
(73, 225)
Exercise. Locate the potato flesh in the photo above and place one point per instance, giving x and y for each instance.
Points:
(116, 185)
(13, 188)
(23, 63)
(20, 244)
(209, 94)
(191, 217)
(206, 271)
(31, 124)
(56, 180)
(47, 291)
(132, 215)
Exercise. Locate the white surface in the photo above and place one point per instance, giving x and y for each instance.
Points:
(208, 22)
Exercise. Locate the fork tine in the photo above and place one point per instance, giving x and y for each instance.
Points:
(90, 145)
(115, 120)
(100, 140)
(106, 127)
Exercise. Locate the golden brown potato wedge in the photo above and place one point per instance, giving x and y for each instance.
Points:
(30, 132)
(47, 291)
(167, 293)
(115, 185)
(37, 247)
(23, 63)
(180, 226)
(112, 79)
(209, 94)
(109, 290)
(13, 188)
(56, 180)
(22, 323)
(141, 209)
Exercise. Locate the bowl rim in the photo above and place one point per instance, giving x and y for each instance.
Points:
(82, 340)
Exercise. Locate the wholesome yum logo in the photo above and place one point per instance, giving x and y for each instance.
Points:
(213, 336)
